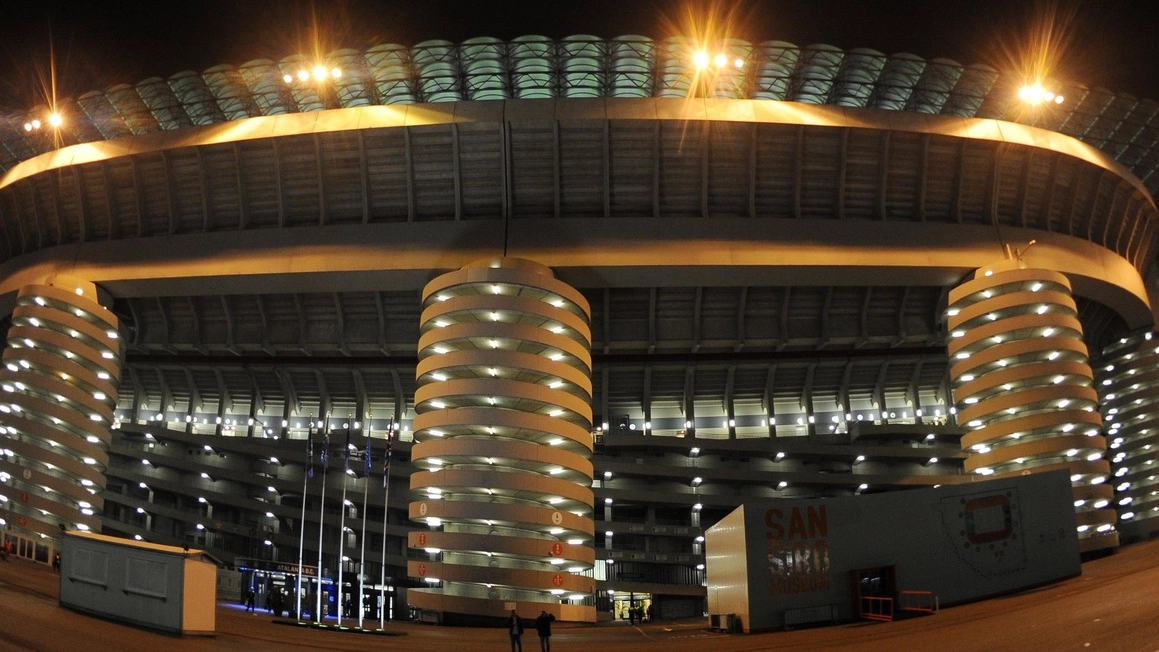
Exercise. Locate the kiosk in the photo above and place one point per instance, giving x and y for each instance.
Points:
(146, 584)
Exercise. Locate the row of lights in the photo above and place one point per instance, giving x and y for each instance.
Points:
(1034, 94)
(54, 120)
(701, 59)
(604, 427)
(800, 421)
(319, 73)
(159, 417)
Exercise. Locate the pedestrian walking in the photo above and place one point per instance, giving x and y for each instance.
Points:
(543, 628)
(515, 629)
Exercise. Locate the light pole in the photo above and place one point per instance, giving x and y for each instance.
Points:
(148, 491)
(148, 518)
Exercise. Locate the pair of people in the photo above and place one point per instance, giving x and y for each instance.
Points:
(542, 627)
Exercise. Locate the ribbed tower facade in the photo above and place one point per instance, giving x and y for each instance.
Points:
(1023, 385)
(61, 370)
(503, 444)
(1129, 389)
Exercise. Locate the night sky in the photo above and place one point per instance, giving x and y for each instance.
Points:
(1112, 44)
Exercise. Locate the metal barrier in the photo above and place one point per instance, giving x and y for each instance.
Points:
(920, 601)
(877, 608)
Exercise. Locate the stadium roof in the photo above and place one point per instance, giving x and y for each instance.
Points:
(580, 66)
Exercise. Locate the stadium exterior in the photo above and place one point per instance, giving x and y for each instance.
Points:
(601, 296)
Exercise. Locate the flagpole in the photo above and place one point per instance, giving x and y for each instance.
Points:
(385, 496)
(342, 526)
(362, 555)
(307, 472)
(322, 513)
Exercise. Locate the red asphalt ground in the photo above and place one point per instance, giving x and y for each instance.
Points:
(1113, 605)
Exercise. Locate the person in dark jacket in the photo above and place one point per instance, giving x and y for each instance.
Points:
(515, 629)
(543, 628)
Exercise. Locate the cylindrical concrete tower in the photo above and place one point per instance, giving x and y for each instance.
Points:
(1022, 383)
(1129, 389)
(61, 369)
(503, 432)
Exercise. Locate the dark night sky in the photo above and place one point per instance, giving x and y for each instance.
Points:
(1112, 44)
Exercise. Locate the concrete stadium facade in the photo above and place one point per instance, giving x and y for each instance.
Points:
(821, 273)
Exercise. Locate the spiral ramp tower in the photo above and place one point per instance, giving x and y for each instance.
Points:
(503, 445)
(61, 370)
(1129, 388)
(1023, 386)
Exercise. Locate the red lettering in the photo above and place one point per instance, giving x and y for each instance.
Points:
(772, 520)
(818, 524)
(803, 559)
(797, 525)
(821, 557)
(804, 523)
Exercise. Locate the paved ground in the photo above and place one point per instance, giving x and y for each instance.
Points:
(1112, 606)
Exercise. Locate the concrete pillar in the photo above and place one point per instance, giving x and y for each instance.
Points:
(1023, 386)
(503, 444)
(61, 370)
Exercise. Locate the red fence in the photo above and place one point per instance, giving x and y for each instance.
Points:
(877, 608)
